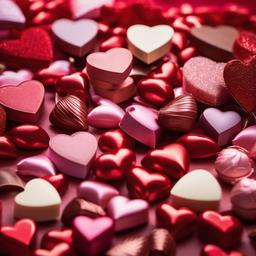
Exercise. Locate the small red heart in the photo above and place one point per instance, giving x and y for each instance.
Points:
(33, 50)
(226, 231)
(240, 80)
(62, 249)
(173, 160)
(148, 186)
(115, 165)
(7, 149)
(59, 181)
(212, 250)
(180, 222)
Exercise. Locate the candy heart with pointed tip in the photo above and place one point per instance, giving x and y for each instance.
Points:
(32, 203)
(180, 222)
(14, 78)
(128, 213)
(25, 109)
(59, 181)
(213, 250)
(92, 236)
(240, 80)
(11, 15)
(149, 44)
(17, 239)
(75, 37)
(73, 155)
(146, 185)
(61, 249)
(198, 190)
(37, 166)
(113, 66)
(222, 132)
(173, 160)
(208, 85)
(226, 231)
(9, 181)
(97, 192)
(140, 123)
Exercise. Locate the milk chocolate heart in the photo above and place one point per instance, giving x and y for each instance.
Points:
(9, 181)
(25, 109)
(240, 79)
(15, 78)
(208, 85)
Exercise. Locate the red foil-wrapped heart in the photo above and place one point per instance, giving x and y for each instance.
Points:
(180, 222)
(59, 181)
(115, 165)
(146, 185)
(213, 250)
(29, 137)
(115, 139)
(173, 160)
(8, 150)
(225, 231)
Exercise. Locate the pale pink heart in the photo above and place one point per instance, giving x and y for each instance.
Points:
(106, 115)
(87, 9)
(76, 37)
(37, 166)
(11, 15)
(92, 236)
(73, 154)
(15, 78)
(140, 122)
(112, 66)
(97, 192)
(128, 213)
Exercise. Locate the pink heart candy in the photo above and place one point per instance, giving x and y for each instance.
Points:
(106, 115)
(73, 155)
(140, 122)
(112, 66)
(11, 15)
(37, 166)
(75, 37)
(221, 126)
(92, 236)
(127, 213)
(97, 192)
(15, 78)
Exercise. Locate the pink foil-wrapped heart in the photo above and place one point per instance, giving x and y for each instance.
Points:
(14, 78)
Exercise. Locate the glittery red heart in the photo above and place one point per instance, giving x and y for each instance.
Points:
(32, 50)
(240, 80)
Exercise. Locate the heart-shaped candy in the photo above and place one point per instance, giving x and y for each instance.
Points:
(113, 66)
(173, 160)
(215, 42)
(15, 78)
(180, 222)
(97, 192)
(9, 181)
(8, 150)
(34, 204)
(33, 50)
(75, 37)
(25, 109)
(240, 79)
(2, 119)
(222, 132)
(59, 181)
(116, 41)
(226, 231)
(92, 236)
(128, 213)
(213, 250)
(73, 154)
(149, 44)
(146, 185)
(208, 85)
(197, 190)
(61, 249)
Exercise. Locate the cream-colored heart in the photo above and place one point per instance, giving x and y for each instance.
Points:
(39, 201)
(149, 43)
(197, 190)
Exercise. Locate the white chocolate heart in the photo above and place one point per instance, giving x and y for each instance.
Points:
(197, 190)
(39, 201)
(149, 43)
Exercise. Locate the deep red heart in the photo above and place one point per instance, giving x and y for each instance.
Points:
(240, 80)
(148, 186)
(33, 50)
(213, 250)
(114, 41)
(62, 249)
(55, 237)
(59, 181)
(115, 165)
(7, 149)
(180, 222)
(226, 231)
(173, 160)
